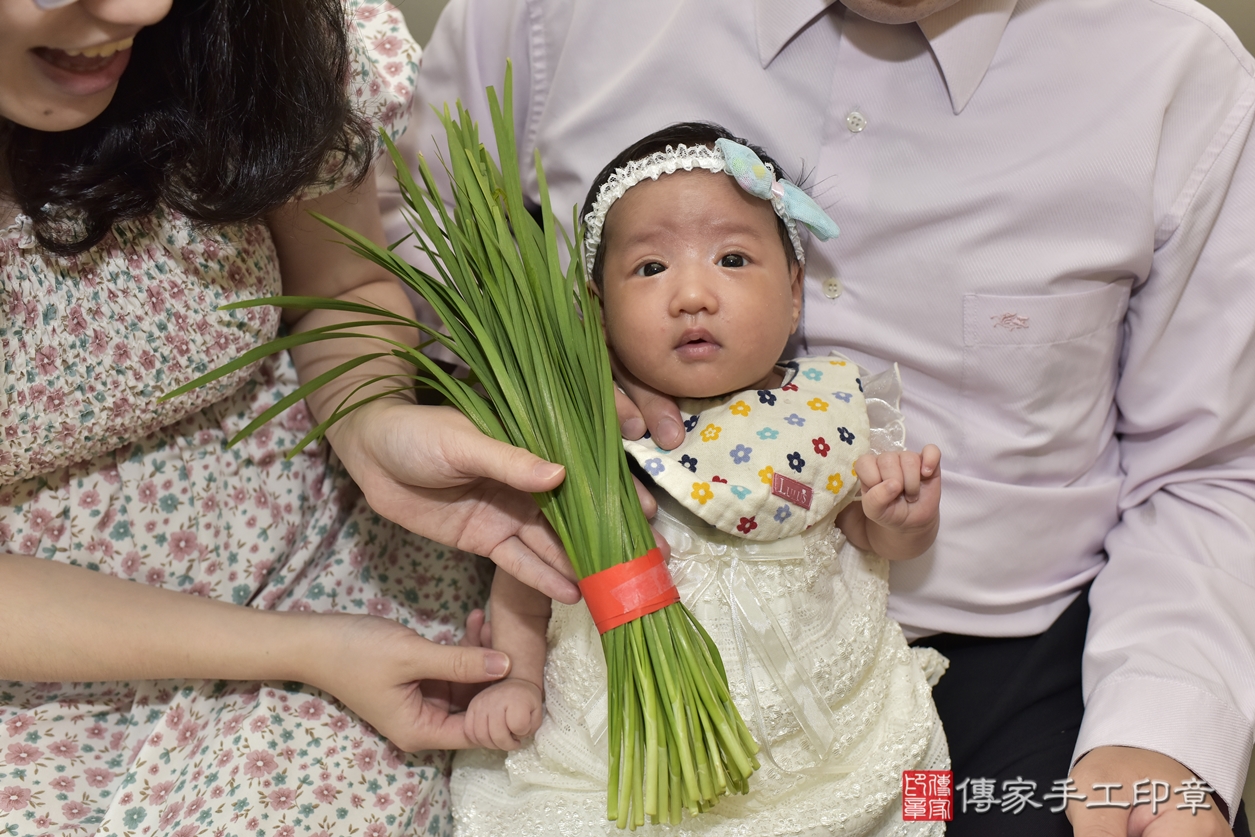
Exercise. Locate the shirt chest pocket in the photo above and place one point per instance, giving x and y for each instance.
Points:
(1039, 377)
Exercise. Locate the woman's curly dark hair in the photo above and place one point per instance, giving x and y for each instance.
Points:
(226, 111)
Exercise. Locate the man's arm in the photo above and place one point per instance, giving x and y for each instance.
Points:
(1170, 656)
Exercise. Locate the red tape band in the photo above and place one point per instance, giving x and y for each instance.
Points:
(627, 591)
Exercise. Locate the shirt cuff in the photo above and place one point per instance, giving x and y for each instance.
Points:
(1177, 719)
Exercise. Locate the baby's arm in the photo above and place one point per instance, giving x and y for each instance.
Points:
(900, 512)
(508, 711)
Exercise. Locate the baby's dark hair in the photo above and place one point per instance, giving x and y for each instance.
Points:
(681, 133)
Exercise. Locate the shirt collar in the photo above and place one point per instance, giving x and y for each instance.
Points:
(779, 21)
(963, 37)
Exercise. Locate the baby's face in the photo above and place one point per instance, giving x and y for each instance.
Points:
(699, 297)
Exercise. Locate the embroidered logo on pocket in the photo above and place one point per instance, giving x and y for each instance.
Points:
(1010, 321)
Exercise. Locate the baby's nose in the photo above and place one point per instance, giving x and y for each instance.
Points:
(695, 292)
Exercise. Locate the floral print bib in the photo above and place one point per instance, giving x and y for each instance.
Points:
(768, 464)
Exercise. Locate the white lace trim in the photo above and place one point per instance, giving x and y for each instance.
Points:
(883, 394)
(668, 161)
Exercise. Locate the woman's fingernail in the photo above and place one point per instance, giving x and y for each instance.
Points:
(496, 664)
(546, 470)
(633, 428)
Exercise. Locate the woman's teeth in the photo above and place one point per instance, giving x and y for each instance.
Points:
(102, 51)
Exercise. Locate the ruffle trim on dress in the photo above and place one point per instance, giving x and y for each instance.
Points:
(883, 393)
(19, 234)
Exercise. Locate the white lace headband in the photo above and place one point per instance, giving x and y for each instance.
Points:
(790, 203)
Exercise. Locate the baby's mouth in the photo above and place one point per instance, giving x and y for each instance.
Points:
(84, 61)
(697, 342)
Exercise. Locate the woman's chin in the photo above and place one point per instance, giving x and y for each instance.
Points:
(50, 112)
(46, 97)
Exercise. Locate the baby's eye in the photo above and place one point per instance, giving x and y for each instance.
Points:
(732, 260)
(650, 269)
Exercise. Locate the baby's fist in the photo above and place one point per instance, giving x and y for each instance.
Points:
(503, 714)
(901, 491)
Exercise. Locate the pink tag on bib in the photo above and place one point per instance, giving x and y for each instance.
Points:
(792, 490)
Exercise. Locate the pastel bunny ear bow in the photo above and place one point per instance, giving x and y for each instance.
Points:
(753, 175)
(790, 202)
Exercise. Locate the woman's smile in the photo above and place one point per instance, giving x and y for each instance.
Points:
(60, 64)
(87, 71)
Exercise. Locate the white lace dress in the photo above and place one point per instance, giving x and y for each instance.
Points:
(838, 702)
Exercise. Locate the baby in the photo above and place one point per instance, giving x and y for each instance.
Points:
(700, 276)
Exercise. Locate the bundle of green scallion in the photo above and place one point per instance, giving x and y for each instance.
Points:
(540, 379)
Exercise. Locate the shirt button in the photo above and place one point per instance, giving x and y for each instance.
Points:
(832, 287)
(855, 121)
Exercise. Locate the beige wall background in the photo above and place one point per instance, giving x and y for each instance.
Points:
(1240, 14)
(421, 16)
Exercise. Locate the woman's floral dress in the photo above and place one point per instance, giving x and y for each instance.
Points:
(95, 472)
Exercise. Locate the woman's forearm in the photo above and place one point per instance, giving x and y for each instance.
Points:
(64, 623)
(314, 261)
(313, 359)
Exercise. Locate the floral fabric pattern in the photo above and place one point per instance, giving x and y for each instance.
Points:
(96, 472)
(726, 473)
(180, 510)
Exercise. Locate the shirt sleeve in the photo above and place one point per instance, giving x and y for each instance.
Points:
(384, 61)
(1170, 656)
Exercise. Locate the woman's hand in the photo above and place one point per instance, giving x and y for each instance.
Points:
(65, 623)
(397, 681)
(426, 468)
(430, 470)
